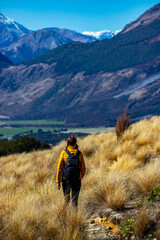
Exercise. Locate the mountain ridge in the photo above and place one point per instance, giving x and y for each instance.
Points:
(38, 42)
(144, 19)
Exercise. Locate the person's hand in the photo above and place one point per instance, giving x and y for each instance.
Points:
(58, 186)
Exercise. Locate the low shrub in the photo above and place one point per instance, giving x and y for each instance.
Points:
(123, 123)
(22, 144)
(127, 227)
(154, 194)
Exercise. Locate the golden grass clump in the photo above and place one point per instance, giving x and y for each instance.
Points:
(72, 224)
(89, 145)
(105, 152)
(92, 178)
(118, 189)
(32, 220)
(157, 146)
(145, 153)
(111, 191)
(146, 178)
(126, 147)
(23, 220)
(126, 162)
(94, 198)
(148, 132)
(143, 223)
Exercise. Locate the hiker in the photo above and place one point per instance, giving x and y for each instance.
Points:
(71, 169)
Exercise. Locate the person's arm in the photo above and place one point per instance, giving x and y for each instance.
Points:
(60, 167)
(83, 166)
(59, 185)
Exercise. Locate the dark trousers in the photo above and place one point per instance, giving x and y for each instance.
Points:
(75, 187)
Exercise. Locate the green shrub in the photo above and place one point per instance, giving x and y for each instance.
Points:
(127, 227)
(154, 194)
(22, 144)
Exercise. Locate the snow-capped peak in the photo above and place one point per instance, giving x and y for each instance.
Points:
(5, 20)
(100, 35)
(12, 26)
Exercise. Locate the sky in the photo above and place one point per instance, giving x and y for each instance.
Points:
(83, 15)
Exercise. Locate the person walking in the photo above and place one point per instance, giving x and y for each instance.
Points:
(71, 169)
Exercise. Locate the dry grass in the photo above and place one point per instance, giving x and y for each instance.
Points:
(94, 198)
(32, 220)
(146, 178)
(126, 163)
(118, 189)
(32, 208)
(111, 191)
(66, 223)
(144, 222)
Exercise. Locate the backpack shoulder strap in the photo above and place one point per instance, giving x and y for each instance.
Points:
(78, 153)
(68, 152)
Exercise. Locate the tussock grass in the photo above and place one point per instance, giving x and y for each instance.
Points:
(89, 145)
(127, 146)
(118, 189)
(31, 220)
(94, 198)
(126, 162)
(32, 208)
(146, 178)
(144, 222)
(112, 191)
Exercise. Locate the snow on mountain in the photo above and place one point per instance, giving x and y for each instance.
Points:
(12, 26)
(100, 35)
(10, 31)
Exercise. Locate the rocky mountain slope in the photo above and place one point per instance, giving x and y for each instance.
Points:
(145, 19)
(89, 84)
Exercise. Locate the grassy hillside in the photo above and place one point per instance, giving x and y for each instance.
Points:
(120, 176)
(122, 51)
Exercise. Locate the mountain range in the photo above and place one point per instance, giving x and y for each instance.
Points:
(19, 43)
(38, 42)
(89, 84)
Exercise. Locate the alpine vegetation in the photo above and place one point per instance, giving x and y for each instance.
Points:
(120, 178)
